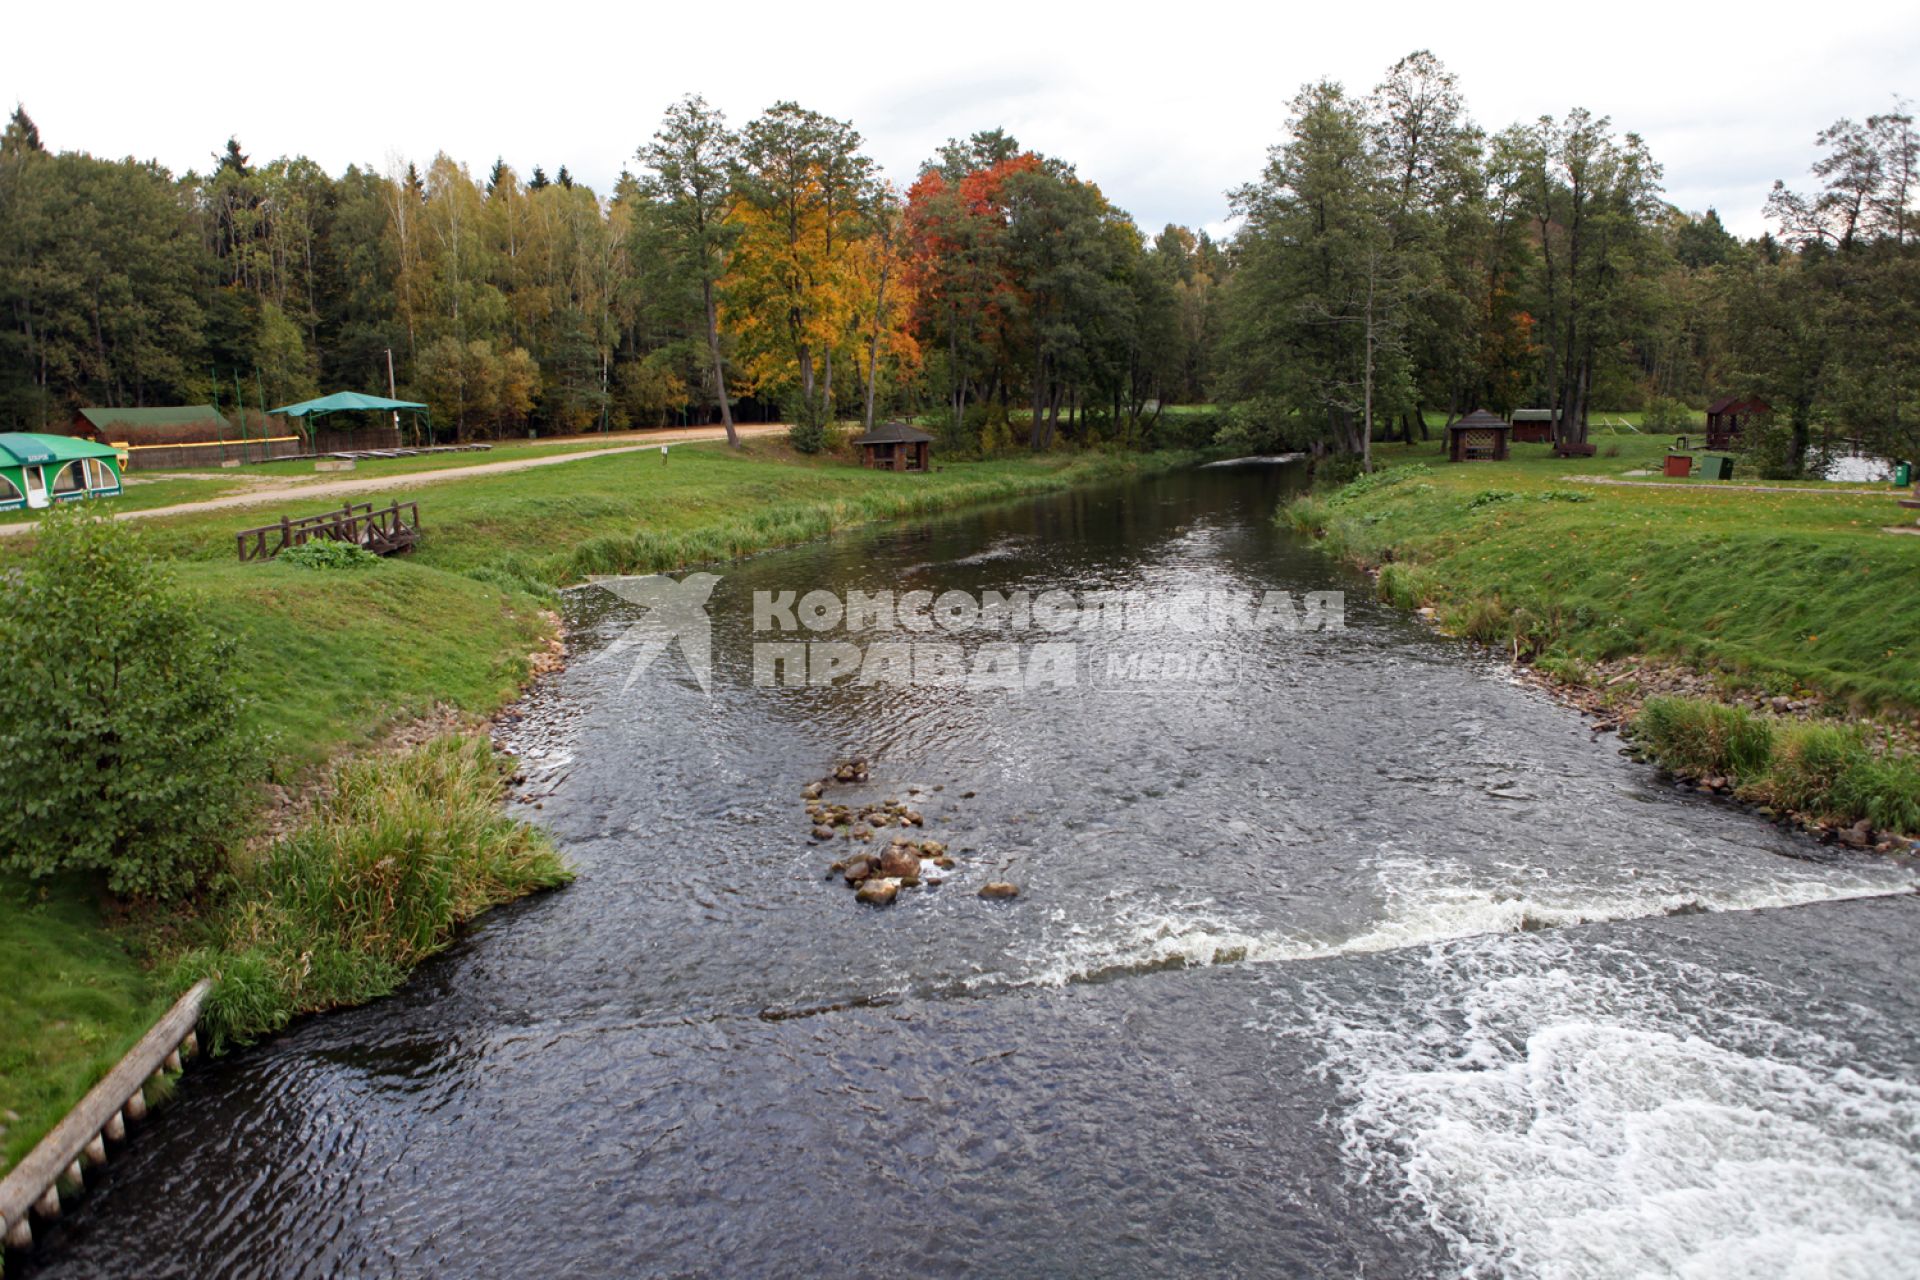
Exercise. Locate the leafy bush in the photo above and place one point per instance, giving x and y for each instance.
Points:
(808, 434)
(407, 848)
(1565, 495)
(1490, 497)
(327, 554)
(1187, 430)
(121, 732)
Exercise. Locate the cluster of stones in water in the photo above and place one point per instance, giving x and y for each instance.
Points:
(905, 863)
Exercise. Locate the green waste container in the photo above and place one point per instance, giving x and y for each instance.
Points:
(1902, 475)
(1716, 468)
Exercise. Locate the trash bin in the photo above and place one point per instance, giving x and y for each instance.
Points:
(1679, 464)
(1716, 468)
(1902, 474)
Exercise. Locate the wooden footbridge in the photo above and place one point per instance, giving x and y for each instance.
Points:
(383, 531)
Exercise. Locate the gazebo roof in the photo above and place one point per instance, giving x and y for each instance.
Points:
(894, 433)
(345, 401)
(1480, 420)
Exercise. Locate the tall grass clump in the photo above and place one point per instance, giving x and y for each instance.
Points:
(407, 848)
(1823, 772)
(1698, 738)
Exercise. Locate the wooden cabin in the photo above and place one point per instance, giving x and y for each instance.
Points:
(37, 470)
(1728, 416)
(1478, 437)
(895, 446)
(1534, 426)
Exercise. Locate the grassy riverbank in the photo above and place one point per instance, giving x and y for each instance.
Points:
(411, 844)
(1798, 595)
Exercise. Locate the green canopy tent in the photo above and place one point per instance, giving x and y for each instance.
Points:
(354, 402)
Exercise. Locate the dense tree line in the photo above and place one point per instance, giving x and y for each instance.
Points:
(1394, 260)
(769, 262)
(1397, 258)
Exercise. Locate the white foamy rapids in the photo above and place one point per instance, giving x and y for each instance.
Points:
(1556, 1112)
(1422, 903)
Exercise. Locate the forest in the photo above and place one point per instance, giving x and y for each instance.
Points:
(1394, 263)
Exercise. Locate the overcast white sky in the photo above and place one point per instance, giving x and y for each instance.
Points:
(1163, 105)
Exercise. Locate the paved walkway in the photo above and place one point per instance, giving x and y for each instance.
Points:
(302, 490)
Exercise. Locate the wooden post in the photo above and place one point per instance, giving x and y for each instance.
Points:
(116, 1130)
(48, 1205)
(95, 1151)
(136, 1108)
(20, 1234)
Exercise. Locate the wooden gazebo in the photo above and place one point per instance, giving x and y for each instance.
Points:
(1728, 416)
(895, 446)
(1478, 437)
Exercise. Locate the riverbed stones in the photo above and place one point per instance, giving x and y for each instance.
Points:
(858, 869)
(900, 861)
(999, 889)
(823, 832)
(810, 792)
(878, 893)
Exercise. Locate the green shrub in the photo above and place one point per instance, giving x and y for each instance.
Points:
(808, 434)
(1490, 497)
(1884, 789)
(407, 848)
(1698, 738)
(1565, 495)
(121, 732)
(327, 554)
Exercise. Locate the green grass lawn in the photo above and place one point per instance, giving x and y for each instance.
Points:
(1776, 589)
(72, 1002)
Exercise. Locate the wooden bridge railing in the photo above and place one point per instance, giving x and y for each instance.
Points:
(382, 531)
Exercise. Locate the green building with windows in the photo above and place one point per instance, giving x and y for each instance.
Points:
(38, 471)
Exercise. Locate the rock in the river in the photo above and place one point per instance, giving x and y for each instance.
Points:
(810, 792)
(931, 848)
(900, 860)
(999, 889)
(823, 832)
(879, 893)
(858, 869)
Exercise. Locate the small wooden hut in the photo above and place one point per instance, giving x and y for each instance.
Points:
(1728, 416)
(1478, 437)
(1534, 426)
(895, 446)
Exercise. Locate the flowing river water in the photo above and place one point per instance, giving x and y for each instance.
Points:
(1347, 956)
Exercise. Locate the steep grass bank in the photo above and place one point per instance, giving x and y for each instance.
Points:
(1798, 597)
(1774, 591)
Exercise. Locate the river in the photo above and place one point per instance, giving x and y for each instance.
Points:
(1344, 954)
